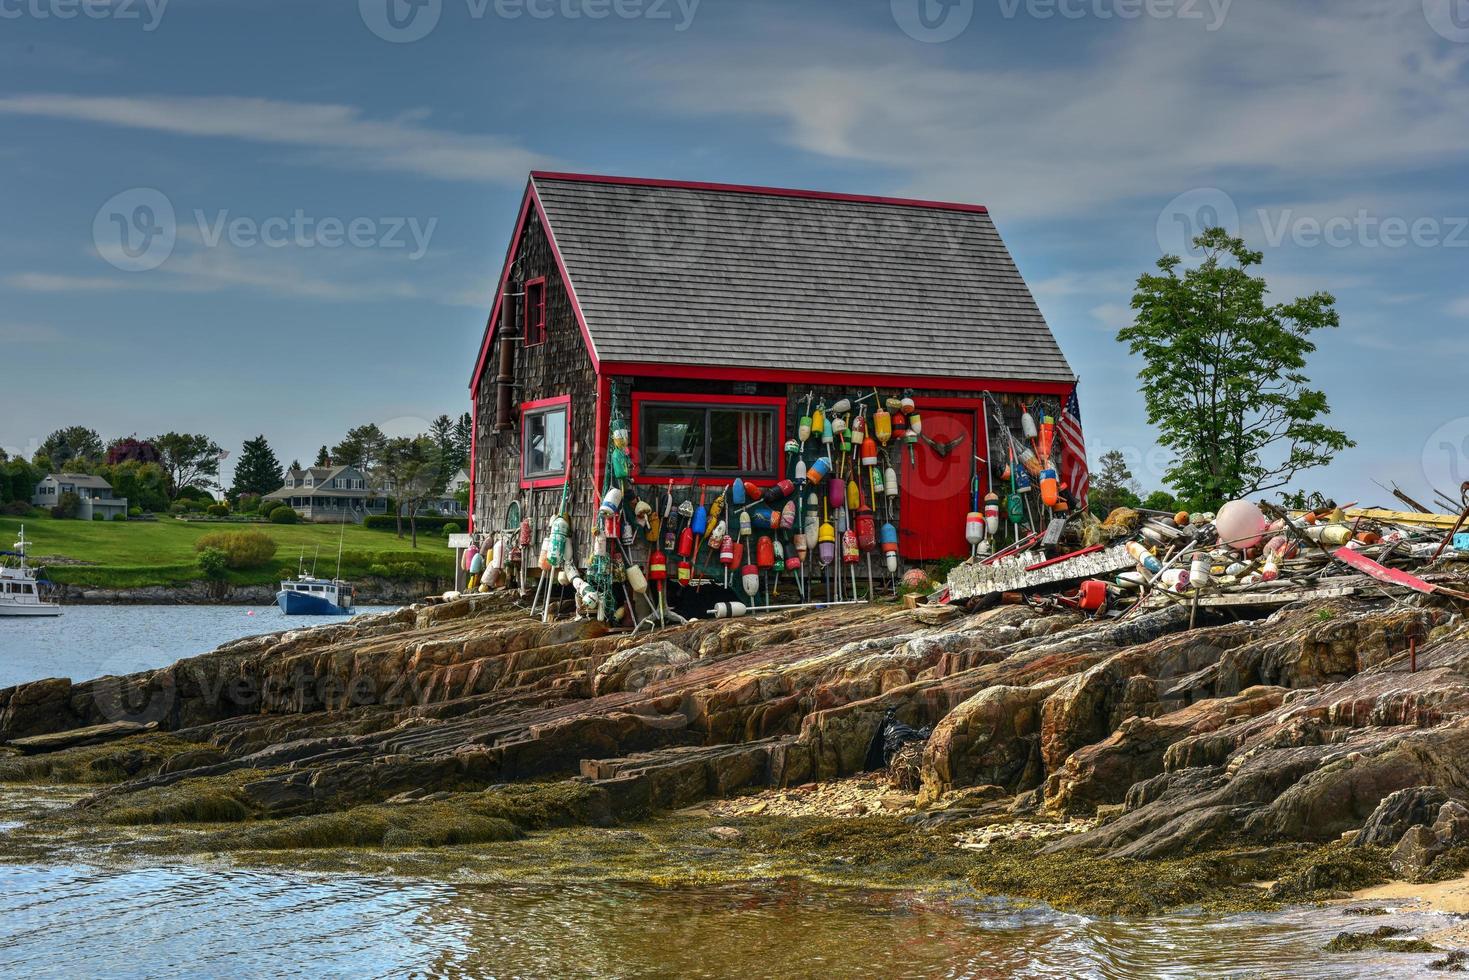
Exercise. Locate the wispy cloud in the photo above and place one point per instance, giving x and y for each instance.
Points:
(1147, 111)
(339, 135)
(1460, 307)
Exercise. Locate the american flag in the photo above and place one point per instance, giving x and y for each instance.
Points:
(755, 442)
(1073, 450)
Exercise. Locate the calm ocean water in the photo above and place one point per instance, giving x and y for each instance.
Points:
(90, 641)
(188, 921)
(91, 917)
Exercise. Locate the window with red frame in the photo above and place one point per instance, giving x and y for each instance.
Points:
(535, 312)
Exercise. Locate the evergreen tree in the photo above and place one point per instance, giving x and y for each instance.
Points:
(258, 471)
(1112, 485)
(323, 458)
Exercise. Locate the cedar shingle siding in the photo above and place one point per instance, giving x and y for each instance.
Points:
(749, 280)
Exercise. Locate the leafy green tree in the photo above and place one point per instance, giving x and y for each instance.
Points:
(73, 447)
(1164, 501)
(258, 471)
(190, 460)
(1224, 373)
(1112, 485)
(362, 447)
(144, 484)
(415, 469)
(68, 507)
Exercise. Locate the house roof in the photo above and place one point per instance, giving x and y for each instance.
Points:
(728, 276)
(81, 480)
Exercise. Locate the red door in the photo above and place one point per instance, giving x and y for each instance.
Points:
(934, 485)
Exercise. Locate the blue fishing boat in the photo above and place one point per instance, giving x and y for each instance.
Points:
(307, 596)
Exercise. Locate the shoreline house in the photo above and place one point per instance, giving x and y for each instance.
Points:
(94, 492)
(330, 495)
(683, 332)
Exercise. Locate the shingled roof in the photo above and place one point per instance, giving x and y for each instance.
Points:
(742, 277)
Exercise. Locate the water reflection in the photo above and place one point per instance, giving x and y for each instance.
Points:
(226, 922)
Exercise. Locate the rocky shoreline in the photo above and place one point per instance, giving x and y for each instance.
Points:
(370, 592)
(1115, 767)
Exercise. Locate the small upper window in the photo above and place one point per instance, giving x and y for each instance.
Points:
(543, 450)
(535, 312)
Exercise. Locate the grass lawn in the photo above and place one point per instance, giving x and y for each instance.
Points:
(135, 554)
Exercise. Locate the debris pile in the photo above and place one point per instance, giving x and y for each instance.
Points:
(1245, 555)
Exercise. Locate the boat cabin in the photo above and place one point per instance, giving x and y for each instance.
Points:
(669, 338)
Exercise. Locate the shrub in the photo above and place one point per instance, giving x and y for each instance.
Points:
(135, 512)
(119, 516)
(178, 507)
(377, 570)
(450, 528)
(406, 571)
(284, 515)
(67, 507)
(244, 549)
(99, 517)
(17, 508)
(214, 564)
(387, 522)
(219, 510)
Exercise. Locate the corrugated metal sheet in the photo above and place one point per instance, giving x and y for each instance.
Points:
(731, 278)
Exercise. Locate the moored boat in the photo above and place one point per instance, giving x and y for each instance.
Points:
(20, 593)
(307, 596)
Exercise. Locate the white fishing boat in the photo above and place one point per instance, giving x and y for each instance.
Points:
(20, 593)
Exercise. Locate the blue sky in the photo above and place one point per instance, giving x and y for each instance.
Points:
(343, 182)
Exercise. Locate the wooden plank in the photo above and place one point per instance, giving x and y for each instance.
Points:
(1401, 517)
(1282, 598)
(1016, 573)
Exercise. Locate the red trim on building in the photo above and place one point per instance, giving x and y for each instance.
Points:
(752, 189)
(533, 406)
(778, 436)
(807, 377)
(601, 436)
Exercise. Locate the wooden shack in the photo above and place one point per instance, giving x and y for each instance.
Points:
(682, 331)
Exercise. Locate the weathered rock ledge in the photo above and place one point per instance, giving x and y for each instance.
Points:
(468, 723)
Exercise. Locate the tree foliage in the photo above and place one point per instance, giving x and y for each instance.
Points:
(257, 471)
(1224, 373)
(323, 458)
(415, 468)
(362, 447)
(132, 450)
(69, 447)
(243, 549)
(1112, 485)
(190, 460)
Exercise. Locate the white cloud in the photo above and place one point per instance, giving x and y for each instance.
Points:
(1460, 307)
(1332, 91)
(1113, 316)
(339, 135)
